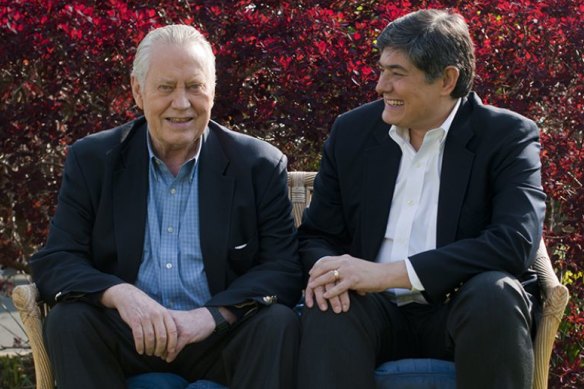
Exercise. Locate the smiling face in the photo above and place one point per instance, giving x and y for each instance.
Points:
(411, 101)
(176, 97)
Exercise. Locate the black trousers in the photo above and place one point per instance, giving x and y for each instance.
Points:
(91, 347)
(485, 328)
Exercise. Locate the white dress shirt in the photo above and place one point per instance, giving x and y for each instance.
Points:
(411, 227)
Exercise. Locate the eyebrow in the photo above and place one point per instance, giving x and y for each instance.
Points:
(392, 67)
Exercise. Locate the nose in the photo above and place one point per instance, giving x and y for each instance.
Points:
(383, 85)
(180, 99)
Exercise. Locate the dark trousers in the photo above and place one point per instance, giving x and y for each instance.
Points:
(484, 328)
(91, 347)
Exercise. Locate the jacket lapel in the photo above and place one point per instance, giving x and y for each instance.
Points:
(380, 173)
(215, 199)
(455, 174)
(129, 162)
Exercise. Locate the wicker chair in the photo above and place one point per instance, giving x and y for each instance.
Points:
(554, 295)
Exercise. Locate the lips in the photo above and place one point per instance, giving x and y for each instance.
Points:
(393, 103)
(179, 120)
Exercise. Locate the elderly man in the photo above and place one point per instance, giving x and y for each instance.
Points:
(172, 248)
(426, 215)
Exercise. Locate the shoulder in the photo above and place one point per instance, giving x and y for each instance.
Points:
(104, 141)
(366, 114)
(358, 129)
(499, 121)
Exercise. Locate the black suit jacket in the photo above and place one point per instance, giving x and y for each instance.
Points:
(96, 237)
(491, 204)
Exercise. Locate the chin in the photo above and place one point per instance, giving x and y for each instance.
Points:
(387, 118)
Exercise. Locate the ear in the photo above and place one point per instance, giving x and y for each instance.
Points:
(137, 92)
(449, 79)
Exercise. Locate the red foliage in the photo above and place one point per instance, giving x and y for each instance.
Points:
(285, 70)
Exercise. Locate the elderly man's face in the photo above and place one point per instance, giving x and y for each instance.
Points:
(176, 98)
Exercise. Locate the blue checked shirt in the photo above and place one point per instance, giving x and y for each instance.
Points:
(172, 270)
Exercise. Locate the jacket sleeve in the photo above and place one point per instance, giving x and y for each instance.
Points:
(63, 268)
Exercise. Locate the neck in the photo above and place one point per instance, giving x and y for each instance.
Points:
(417, 135)
(417, 138)
(174, 158)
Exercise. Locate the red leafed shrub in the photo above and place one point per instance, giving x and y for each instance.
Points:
(285, 70)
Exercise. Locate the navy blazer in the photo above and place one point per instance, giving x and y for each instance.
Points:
(491, 203)
(96, 237)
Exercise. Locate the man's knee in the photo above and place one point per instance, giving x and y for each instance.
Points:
(315, 314)
(315, 318)
(492, 295)
(359, 319)
(276, 319)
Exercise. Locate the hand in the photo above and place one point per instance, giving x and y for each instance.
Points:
(353, 274)
(153, 327)
(193, 326)
(340, 303)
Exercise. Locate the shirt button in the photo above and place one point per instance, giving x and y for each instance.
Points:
(410, 202)
(172, 191)
(170, 230)
(169, 265)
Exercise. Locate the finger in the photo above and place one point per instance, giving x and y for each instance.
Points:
(322, 267)
(309, 297)
(327, 278)
(320, 300)
(317, 265)
(149, 337)
(172, 333)
(160, 337)
(345, 301)
(172, 355)
(335, 302)
(138, 334)
(336, 290)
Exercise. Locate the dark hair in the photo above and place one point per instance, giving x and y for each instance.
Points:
(434, 39)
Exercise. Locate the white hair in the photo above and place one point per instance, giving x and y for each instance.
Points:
(177, 34)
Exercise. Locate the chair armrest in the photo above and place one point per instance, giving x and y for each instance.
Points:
(554, 298)
(25, 298)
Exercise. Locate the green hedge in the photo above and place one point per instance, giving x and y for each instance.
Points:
(17, 372)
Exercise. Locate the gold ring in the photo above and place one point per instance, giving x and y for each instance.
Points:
(336, 274)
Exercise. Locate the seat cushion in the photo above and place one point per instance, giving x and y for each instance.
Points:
(167, 381)
(156, 381)
(416, 374)
(402, 374)
(204, 384)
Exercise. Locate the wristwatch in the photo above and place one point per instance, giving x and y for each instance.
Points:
(221, 325)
